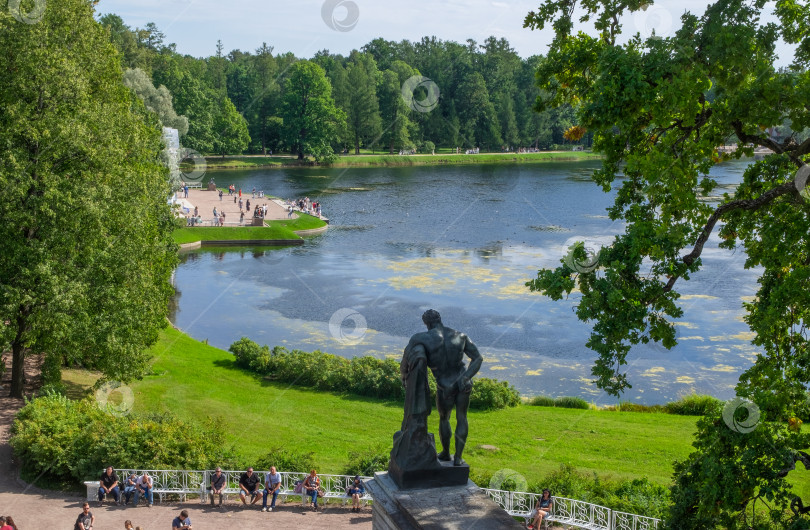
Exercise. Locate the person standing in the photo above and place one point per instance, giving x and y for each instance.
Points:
(272, 483)
(108, 484)
(220, 195)
(217, 486)
(10, 524)
(182, 521)
(85, 519)
(216, 214)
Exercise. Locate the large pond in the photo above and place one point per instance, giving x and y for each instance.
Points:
(462, 240)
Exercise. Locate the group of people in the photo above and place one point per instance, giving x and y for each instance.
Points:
(86, 520)
(251, 485)
(237, 192)
(7, 523)
(134, 486)
(305, 205)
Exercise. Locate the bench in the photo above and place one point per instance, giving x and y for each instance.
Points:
(334, 486)
(164, 482)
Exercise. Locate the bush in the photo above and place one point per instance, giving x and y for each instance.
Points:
(627, 406)
(571, 403)
(694, 405)
(489, 394)
(366, 462)
(363, 376)
(287, 460)
(66, 440)
(542, 401)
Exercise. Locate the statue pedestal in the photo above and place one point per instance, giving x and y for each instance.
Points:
(449, 507)
(446, 475)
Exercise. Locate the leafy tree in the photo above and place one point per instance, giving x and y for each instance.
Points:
(310, 116)
(363, 113)
(477, 114)
(230, 130)
(266, 95)
(658, 109)
(394, 112)
(157, 100)
(87, 253)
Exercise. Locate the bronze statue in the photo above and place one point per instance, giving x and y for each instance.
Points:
(442, 349)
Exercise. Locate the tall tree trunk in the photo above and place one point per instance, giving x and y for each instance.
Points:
(300, 155)
(17, 369)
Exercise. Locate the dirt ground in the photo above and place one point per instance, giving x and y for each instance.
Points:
(33, 508)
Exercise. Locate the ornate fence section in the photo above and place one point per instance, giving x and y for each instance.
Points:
(629, 521)
(572, 512)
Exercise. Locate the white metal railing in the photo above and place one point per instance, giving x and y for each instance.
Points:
(185, 482)
(571, 512)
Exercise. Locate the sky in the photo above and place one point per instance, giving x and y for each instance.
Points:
(304, 27)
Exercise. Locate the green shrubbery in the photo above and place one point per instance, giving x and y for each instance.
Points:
(631, 496)
(367, 462)
(73, 441)
(364, 376)
(564, 402)
(693, 405)
(286, 460)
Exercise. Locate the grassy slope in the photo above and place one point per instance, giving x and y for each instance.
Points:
(396, 160)
(194, 380)
(282, 229)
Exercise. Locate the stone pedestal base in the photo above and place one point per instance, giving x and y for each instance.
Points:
(446, 475)
(450, 507)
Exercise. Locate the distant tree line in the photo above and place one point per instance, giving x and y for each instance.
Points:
(263, 101)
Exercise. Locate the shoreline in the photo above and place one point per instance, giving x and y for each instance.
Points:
(386, 160)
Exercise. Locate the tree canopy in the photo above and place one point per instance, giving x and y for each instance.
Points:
(658, 109)
(310, 116)
(87, 253)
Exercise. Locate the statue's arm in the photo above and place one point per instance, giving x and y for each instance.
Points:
(471, 350)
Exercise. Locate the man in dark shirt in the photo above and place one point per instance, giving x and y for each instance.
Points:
(217, 486)
(108, 484)
(86, 519)
(182, 522)
(249, 484)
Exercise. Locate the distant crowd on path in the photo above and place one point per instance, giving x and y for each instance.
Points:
(303, 205)
(7, 523)
(237, 192)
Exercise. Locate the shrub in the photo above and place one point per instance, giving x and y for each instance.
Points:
(627, 406)
(286, 459)
(368, 461)
(694, 405)
(571, 403)
(364, 376)
(542, 401)
(489, 394)
(74, 440)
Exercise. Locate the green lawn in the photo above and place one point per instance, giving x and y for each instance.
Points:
(194, 380)
(278, 229)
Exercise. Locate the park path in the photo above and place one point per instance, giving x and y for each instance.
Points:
(206, 201)
(33, 508)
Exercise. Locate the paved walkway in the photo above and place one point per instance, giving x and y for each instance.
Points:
(33, 508)
(206, 201)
